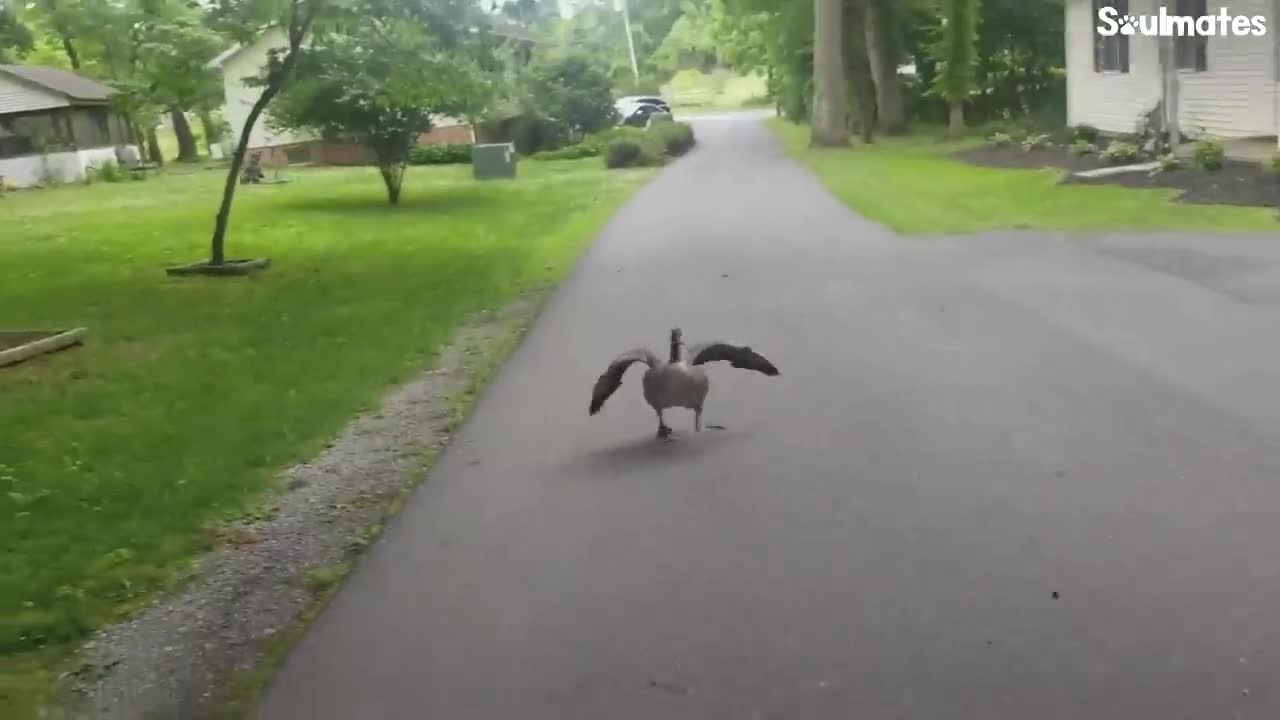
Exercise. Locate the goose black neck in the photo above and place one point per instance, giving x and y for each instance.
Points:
(675, 350)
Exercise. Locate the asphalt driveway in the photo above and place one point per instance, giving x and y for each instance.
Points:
(1012, 476)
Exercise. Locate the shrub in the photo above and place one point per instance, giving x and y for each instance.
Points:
(440, 154)
(1119, 153)
(1083, 147)
(626, 152)
(676, 138)
(1209, 155)
(623, 153)
(1087, 133)
(1000, 139)
(1273, 165)
(1035, 142)
(572, 152)
(110, 172)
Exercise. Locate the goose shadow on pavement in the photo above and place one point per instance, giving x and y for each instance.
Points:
(647, 451)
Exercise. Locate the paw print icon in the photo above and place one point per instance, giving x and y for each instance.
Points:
(1128, 25)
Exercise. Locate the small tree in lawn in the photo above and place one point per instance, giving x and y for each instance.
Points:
(576, 92)
(299, 16)
(379, 84)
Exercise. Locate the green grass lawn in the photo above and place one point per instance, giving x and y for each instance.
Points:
(191, 394)
(912, 186)
(717, 90)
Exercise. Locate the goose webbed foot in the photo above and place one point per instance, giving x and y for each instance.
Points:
(664, 432)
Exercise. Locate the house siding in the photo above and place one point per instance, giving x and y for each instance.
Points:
(240, 97)
(1234, 97)
(17, 96)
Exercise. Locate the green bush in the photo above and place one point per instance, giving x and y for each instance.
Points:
(111, 172)
(1273, 165)
(1209, 155)
(1083, 147)
(1119, 153)
(440, 154)
(676, 138)
(1087, 133)
(572, 152)
(1169, 163)
(625, 152)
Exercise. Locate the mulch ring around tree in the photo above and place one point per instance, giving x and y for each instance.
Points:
(1237, 183)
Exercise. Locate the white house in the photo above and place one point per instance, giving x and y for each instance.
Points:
(1222, 86)
(242, 62)
(54, 125)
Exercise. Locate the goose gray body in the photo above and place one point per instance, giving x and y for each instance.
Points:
(679, 381)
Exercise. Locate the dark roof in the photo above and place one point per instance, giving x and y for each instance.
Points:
(66, 83)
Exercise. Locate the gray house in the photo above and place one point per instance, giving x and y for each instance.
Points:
(54, 125)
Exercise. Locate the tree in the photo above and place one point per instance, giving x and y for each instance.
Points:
(883, 50)
(859, 70)
(575, 92)
(956, 54)
(828, 123)
(691, 40)
(299, 18)
(171, 56)
(16, 39)
(380, 86)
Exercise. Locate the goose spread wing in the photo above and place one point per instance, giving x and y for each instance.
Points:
(611, 379)
(739, 356)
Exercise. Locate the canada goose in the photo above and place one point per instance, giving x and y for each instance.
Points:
(676, 382)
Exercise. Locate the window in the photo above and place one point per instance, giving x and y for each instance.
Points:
(1190, 51)
(31, 134)
(1110, 54)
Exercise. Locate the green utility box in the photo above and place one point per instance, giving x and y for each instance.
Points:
(492, 162)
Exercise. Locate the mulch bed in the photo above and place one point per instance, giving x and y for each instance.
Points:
(1237, 183)
(1013, 157)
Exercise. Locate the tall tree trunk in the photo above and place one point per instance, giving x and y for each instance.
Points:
(212, 133)
(955, 127)
(858, 73)
(218, 243)
(277, 75)
(187, 149)
(828, 115)
(882, 56)
(393, 178)
(69, 48)
(153, 147)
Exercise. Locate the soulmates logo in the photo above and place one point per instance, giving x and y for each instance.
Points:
(1166, 25)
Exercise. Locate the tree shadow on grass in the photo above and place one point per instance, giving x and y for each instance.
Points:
(433, 201)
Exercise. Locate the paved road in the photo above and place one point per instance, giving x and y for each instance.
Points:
(964, 427)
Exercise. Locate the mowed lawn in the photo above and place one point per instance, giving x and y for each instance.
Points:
(911, 185)
(191, 394)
